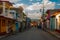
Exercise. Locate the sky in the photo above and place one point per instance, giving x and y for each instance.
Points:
(33, 8)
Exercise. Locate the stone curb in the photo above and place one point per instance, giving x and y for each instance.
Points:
(53, 34)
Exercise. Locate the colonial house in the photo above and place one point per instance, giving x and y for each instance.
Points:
(17, 17)
(7, 21)
(54, 19)
(22, 18)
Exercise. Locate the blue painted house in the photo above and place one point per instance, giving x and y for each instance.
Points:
(28, 22)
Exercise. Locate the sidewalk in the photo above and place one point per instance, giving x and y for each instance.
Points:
(7, 35)
(3, 36)
(54, 33)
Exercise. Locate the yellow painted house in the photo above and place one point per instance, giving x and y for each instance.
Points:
(7, 23)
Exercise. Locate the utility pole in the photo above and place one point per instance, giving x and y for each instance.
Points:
(43, 10)
(43, 16)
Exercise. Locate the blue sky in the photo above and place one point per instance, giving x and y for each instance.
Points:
(29, 2)
(57, 3)
(32, 7)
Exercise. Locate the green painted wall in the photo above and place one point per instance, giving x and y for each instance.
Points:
(52, 23)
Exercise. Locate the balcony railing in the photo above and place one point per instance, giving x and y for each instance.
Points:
(8, 16)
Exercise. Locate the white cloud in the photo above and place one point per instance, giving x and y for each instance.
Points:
(45, 0)
(34, 16)
(47, 4)
(34, 6)
(17, 5)
(31, 0)
(23, 5)
(14, 1)
(38, 0)
(37, 6)
(34, 0)
(4, 0)
(50, 5)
